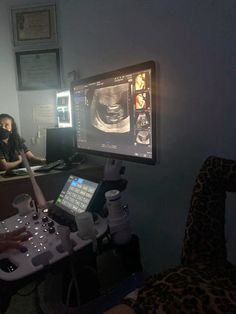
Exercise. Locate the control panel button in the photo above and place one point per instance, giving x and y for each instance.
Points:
(44, 219)
(23, 249)
(51, 223)
(51, 230)
(35, 216)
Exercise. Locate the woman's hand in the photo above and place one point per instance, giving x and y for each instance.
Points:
(43, 161)
(20, 158)
(30, 156)
(14, 239)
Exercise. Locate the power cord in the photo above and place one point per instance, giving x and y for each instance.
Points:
(73, 281)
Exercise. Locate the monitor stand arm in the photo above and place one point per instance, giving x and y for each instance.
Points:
(112, 180)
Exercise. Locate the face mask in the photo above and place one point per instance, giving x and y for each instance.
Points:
(4, 134)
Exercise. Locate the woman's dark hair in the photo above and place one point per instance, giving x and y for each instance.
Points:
(15, 140)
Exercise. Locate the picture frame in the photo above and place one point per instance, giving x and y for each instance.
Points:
(38, 69)
(34, 25)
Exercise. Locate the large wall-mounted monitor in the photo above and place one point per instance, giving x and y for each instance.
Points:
(114, 114)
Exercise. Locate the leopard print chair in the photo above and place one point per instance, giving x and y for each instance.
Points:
(205, 282)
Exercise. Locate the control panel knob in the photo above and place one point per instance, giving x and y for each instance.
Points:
(51, 230)
(35, 216)
(44, 219)
(23, 249)
(51, 223)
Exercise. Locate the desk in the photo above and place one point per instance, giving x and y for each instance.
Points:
(51, 184)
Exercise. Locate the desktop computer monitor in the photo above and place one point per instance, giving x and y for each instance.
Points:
(114, 114)
(59, 144)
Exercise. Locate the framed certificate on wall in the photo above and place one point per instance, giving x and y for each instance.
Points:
(38, 69)
(34, 25)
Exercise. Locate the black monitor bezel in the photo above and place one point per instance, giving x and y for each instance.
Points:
(122, 71)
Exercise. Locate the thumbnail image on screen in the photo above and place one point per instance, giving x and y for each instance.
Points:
(114, 113)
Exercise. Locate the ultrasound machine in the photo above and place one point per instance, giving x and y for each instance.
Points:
(106, 122)
(44, 247)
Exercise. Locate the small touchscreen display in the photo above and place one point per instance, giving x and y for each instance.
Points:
(76, 195)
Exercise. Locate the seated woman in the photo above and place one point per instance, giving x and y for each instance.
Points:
(11, 143)
(205, 282)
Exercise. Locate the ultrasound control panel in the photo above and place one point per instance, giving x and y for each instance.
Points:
(43, 248)
(77, 196)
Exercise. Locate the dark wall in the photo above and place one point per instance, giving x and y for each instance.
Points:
(194, 43)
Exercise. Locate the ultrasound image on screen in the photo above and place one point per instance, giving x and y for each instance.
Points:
(114, 115)
(143, 137)
(109, 111)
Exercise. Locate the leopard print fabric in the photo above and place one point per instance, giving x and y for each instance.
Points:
(205, 282)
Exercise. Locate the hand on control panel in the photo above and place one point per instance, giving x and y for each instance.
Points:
(14, 239)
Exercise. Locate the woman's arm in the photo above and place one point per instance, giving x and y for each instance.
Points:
(8, 165)
(32, 157)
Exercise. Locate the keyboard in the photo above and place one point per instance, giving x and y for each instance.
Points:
(49, 166)
(24, 170)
